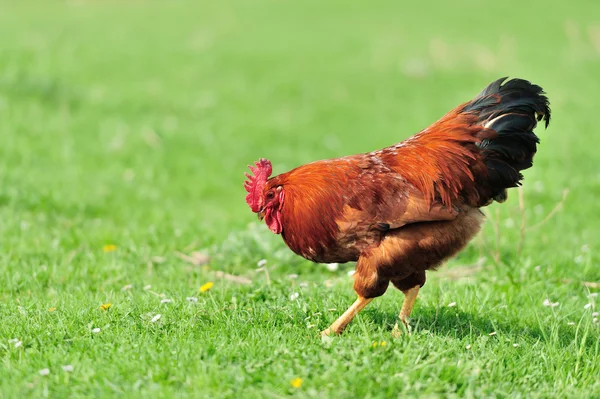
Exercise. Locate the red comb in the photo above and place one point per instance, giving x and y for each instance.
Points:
(255, 183)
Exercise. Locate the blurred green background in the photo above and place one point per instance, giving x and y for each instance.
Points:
(131, 123)
(110, 106)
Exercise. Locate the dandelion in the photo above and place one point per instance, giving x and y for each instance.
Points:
(452, 304)
(155, 318)
(332, 266)
(51, 309)
(44, 371)
(587, 306)
(127, 287)
(68, 368)
(207, 286)
(166, 300)
(261, 263)
(109, 248)
(147, 287)
(374, 345)
(492, 333)
(468, 347)
(296, 382)
(96, 330)
(191, 299)
(383, 343)
(18, 344)
(294, 296)
(105, 306)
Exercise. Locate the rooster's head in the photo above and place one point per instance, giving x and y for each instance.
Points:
(262, 199)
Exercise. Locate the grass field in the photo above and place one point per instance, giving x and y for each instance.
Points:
(125, 129)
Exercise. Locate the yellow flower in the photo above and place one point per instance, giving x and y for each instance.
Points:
(207, 286)
(375, 344)
(105, 306)
(296, 382)
(110, 248)
(382, 343)
(51, 309)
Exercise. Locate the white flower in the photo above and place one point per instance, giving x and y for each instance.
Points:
(587, 306)
(293, 276)
(585, 248)
(155, 318)
(571, 323)
(127, 287)
(18, 344)
(538, 209)
(515, 345)
(166, 301)
(550, 304)
(13, 340)
(303, 284)
(593, 295)
(147, 287)
(191, 299)
(452, 304)
(538, 186)
(351, 272)
(332, 266)
(68, 368)
(492, 333)
(595, 320)
(261, 263)
(96, 330)
(579, 259)
(44, 371)
(294, 296)
(468, 347)
(595, 314)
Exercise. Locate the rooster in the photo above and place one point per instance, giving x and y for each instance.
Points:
(405, 209)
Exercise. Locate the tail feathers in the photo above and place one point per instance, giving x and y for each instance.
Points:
(512, 110)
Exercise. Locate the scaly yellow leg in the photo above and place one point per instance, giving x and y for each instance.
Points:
(338, 326)
(410, 296)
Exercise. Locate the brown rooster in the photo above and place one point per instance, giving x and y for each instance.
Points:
(405, 209)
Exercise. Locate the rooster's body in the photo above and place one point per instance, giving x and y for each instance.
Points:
(406, 208)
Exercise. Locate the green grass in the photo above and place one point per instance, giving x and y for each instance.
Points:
(131, 123)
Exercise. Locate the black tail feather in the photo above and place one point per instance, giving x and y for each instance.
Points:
(512, 110)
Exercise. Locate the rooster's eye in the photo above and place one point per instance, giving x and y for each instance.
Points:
(270, 195)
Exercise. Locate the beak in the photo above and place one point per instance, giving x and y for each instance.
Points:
(261, 214)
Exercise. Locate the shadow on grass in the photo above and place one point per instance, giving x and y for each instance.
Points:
(454, 323)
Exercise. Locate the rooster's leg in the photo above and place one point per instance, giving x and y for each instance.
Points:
(410, 296)
(338, 326)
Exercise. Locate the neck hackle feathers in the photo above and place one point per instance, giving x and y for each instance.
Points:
(261, 171)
